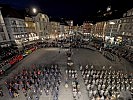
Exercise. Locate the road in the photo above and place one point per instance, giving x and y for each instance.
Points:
(52, 56)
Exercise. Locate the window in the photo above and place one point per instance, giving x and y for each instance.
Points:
(3, 36)
(15, 29)
(127, 20)
(1, 28)
(21, 29)
(120, 26)
(132, 12)
(22, 35)
(13, 22)
(19, 36)
(124, 20)
(15, 36)
(20, 23)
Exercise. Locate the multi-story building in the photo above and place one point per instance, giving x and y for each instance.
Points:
(80, 29)
(62, 31)
(70, 24)
(98, 30)
(112, 31)
(87, 26)
(31, 29)
(41, 22)
(66, 29)
(126, 29)
(54, 29)
(128, 13)
(4, 37)
(17, 31)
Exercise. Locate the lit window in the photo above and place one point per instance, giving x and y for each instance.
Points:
(3, 36)
(42, 16)
(15, 29)
(124, 20)
(22, 35)
(13, 22)
(26, 24)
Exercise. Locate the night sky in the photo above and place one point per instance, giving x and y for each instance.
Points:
(72, 9)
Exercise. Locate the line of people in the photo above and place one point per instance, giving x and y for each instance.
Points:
(73, 75)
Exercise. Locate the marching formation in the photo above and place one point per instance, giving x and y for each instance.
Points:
(106, 84)
(33, 83)
(72, 74)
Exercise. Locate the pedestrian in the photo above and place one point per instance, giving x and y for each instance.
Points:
(79, 94)
(11, 93)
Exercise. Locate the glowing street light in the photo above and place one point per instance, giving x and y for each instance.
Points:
(34, 10)
(112, 23)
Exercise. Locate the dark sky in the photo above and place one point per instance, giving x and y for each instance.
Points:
(74, 9)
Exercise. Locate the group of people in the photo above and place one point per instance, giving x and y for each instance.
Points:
(73, 75)
(122, 52)
(7, 52)
(106, 84)
(34, 82)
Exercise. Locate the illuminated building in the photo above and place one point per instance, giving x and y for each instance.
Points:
(87, 26)
(17, 31)
(54, 29)
(98, 30)
(4, 37)
(31, 29)
(41, 22)
(126, 29)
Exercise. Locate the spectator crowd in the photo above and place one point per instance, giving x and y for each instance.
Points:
(122, 52)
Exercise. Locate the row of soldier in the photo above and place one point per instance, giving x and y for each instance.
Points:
(72, 74)
(34, 82)
(106, 84)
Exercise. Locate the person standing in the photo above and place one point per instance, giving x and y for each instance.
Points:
(79, 94)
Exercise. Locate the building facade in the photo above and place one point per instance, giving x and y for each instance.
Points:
(17, 31)
(41, 22)
(4, 37)
(112, 31)
(31, 29)
(126, 29)
(66, 29)
(70, 24)
(87, 26)
(98, 30)
(62, 31)
(54, 29)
